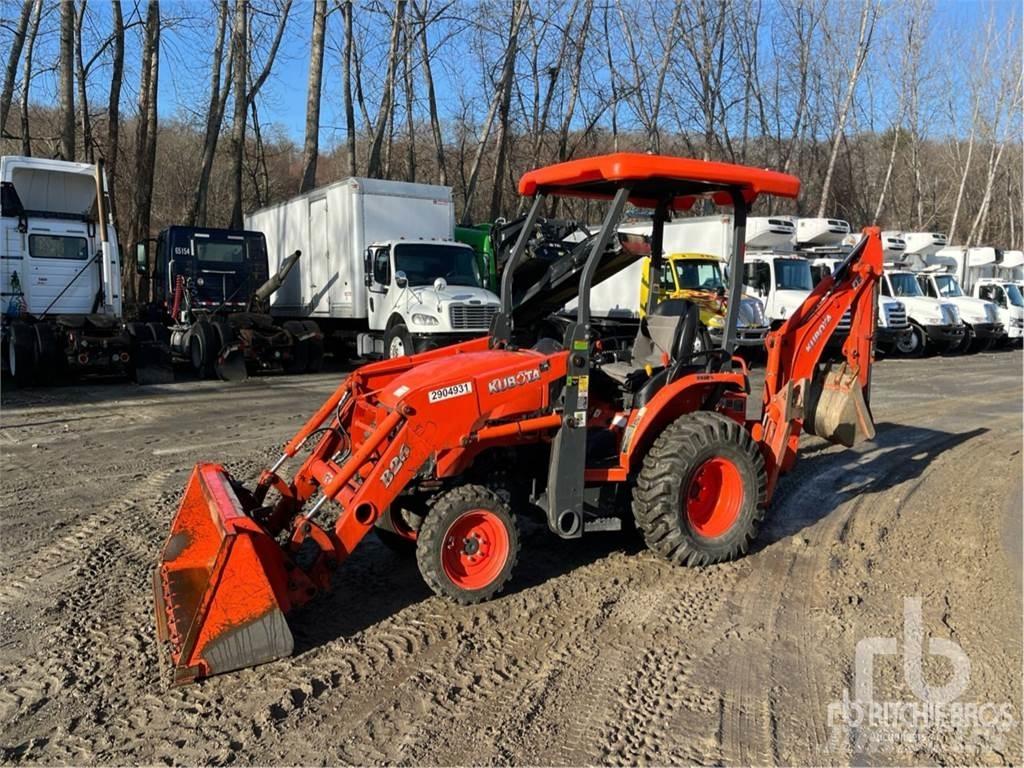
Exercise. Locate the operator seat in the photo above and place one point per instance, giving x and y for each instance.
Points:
(662, 337)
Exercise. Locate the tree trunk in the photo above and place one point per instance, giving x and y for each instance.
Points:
(145, 146)
(66, 80)
(311, 150)
(505, 88)
(428, 79)
(384, 116)
(868, 15)
(350, 113)
(83, 92)
(26, 138)
(214, 119)
(888, 173)
(114, 105)
(410, 150)
(240, 56)
(11, 71)
(508, 68)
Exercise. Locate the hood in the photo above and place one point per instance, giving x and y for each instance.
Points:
(428, 296)
(975, 310)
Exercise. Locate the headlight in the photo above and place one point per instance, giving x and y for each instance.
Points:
(716, 322)
(419, 319)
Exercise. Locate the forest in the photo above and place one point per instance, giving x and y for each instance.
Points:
(904, 114)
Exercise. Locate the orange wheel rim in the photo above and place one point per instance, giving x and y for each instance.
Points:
(475, 549)
(713, 497)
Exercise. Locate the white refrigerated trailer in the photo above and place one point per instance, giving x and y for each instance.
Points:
(379, 264)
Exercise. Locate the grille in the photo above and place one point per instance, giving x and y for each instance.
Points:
(844, 321)
(896, 316)
(471, 316)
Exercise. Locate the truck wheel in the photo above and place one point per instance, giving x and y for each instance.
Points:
(300, 348)
(200, 348)
(398, 342)
(701, 493)
(912, 344)
(315, 348)
(468, 544)
(50, 363)
(21, 354)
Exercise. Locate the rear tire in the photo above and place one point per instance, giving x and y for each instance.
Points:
(315, 349)
(468, 544)
(202, 339)
(300, 347)
(51, 366)
(701, 494)
(21, 357)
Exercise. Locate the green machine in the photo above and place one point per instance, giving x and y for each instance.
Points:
(478, 237)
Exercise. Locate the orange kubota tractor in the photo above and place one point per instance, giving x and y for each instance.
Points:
(651, 434)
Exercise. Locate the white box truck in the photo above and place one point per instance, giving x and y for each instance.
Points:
(379, 263)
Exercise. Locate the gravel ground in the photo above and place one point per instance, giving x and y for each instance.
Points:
(599, 653)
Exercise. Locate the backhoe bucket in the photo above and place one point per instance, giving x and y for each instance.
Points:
(836, 409)
(221, 585)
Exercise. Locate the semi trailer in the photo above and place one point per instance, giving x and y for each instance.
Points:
(60, 278)
(210, 291)
(380, 266)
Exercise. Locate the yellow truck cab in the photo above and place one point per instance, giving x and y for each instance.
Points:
(698, 277)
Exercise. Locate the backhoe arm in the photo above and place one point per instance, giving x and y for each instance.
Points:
(799, 392)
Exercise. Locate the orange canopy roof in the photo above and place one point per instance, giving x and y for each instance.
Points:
(654, 176)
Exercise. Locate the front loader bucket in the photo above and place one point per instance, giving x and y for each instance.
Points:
(221, 584)
(836, 407)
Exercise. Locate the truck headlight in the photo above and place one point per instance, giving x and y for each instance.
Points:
(419, 319)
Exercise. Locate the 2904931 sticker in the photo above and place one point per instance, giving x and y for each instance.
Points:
(452, 390)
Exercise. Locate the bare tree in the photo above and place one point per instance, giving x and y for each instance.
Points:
(428, 79)
(11, 71)
(311, 150)
(114, 103)
(386, 112)
(214, 117)
(66, 80)
(145, 142)
(81, 76)
(350, 115)
(868, 16)
(26, 78)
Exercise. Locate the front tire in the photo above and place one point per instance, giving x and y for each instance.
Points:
(701, 494)
(468, 544)
(912, 344)
(398, 342)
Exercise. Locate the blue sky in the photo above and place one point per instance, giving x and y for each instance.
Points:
(185, 51)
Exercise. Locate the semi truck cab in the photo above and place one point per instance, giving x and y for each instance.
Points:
(423, 294)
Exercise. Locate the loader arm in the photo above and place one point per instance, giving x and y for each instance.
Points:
(802, 393)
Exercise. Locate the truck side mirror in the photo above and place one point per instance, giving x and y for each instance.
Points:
(368, 268)
(142, 257)
(401, 280)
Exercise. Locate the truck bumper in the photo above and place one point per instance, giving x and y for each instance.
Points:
(427, 341)
(1015, 330)
(988, 330)
(745, 337)
(945, 334)
(890, 337)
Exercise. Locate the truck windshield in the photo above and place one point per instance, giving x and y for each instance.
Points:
(793, 275)
(948, 286)
(423, 263)
(696, 275)
(220, 251)
(904, 284)
(1014, 295)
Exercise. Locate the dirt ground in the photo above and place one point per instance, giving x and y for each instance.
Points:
(599, 653)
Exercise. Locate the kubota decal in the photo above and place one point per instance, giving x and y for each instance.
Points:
(818, 332)
(388, 475)
(452, 390)
(518, 379)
